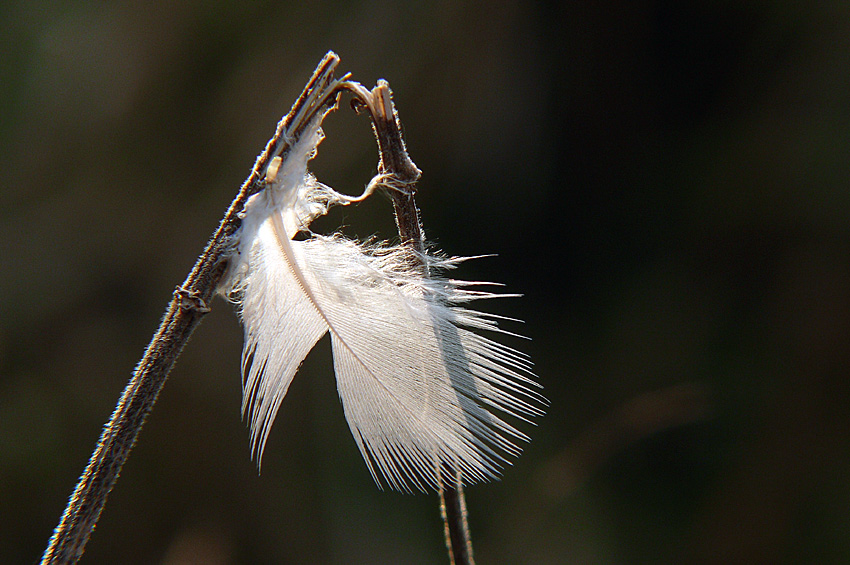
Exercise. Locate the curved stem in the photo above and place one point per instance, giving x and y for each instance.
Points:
(184, 313)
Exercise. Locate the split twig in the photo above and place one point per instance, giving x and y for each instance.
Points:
(191, 300)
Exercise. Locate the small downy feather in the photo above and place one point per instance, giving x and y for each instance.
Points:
(421, 389)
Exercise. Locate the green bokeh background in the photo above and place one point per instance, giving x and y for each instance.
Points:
(666, 182)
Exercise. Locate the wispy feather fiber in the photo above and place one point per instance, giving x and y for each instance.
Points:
(421, 389)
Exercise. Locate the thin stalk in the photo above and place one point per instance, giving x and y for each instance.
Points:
(187, 308)
(398, 173)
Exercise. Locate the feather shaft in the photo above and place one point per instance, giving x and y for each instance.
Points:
(420, 388)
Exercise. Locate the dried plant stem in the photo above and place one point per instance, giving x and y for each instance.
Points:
(453, 510)
(398, 173)
(184, 313)
(190, 303)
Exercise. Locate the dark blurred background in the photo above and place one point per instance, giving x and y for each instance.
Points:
(666, 182)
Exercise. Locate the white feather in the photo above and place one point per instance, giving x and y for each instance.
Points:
(420, 389)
